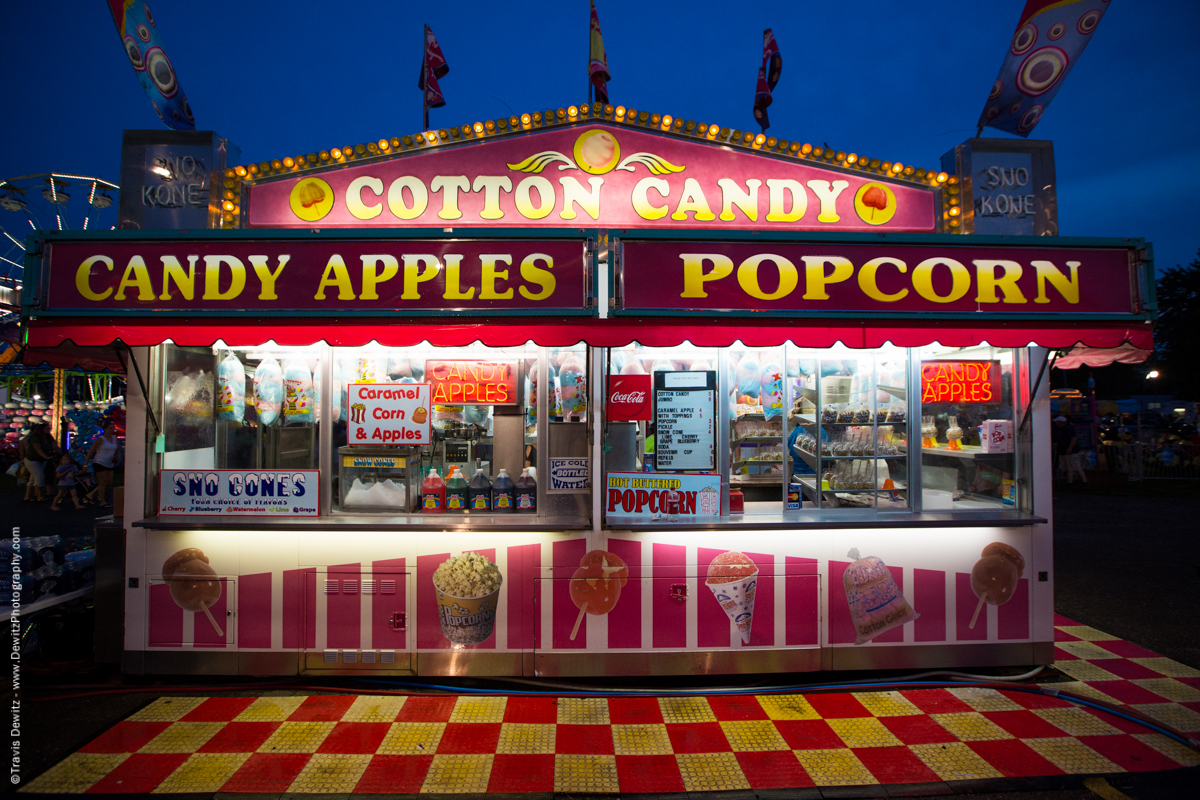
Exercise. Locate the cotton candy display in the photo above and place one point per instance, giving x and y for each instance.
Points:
(876, 604)
(297, 392)
(231, 389)
(771, 390)
(572, 387)
(748, 377)
(339, 395)
(367, 370)
(268, 390)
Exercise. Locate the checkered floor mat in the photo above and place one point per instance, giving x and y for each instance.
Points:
(371, 744)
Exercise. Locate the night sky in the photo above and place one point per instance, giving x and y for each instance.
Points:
(898, 81)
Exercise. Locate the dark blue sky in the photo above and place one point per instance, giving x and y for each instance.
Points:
(897, 81)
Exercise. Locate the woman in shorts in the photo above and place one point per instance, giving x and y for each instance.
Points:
(103, 456)
(34, 451)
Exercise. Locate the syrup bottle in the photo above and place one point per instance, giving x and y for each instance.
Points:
(479, 490)
(433, 494)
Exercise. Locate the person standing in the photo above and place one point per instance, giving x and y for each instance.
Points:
(1066, 446)
(103, 456)
(33, 451)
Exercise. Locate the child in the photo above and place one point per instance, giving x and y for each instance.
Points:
(66, 482)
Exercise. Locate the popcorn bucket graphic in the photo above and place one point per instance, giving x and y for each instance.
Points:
(467, 620)
(737, 598)
(710, 501)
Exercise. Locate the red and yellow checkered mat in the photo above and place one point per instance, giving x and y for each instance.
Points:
(373, 744)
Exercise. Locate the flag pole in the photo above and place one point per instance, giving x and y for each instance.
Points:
(589, 56)
(424, 77)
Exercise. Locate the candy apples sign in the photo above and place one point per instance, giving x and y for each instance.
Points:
(388, 413)
(629, 397)
(598, 175)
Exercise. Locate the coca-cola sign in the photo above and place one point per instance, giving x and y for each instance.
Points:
(629, 397)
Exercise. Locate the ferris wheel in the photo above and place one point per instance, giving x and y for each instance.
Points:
(46, 201)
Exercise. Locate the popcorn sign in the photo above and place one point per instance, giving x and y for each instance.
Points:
(388, 413)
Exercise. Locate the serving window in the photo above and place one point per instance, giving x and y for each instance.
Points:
(394, 418)
(802, 433)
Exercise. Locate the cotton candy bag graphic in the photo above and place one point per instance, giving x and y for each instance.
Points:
(876, 604)
(733, 580)
(268, 390)
(231, 389)
(297, 391)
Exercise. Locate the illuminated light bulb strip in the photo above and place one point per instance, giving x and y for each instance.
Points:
(84, 178)
(14, 241)
(601, 112)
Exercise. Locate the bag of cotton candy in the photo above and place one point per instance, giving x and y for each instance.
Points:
(268, 390)
(231, 389)
(876, 604)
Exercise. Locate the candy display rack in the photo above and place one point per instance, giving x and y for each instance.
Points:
(854, 441)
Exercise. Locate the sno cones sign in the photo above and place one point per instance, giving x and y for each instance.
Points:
(733, 580)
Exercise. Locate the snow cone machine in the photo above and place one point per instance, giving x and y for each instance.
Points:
(771, 409)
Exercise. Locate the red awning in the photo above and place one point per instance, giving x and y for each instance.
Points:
(74, 357)
(561, 332)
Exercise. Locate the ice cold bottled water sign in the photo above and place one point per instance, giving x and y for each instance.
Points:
(685, 420)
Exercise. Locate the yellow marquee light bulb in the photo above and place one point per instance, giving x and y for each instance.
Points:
(228, 206)
(288, 162)
(240, 171)
(666, 122)
(526, 120)
(384, 145)
(897, 168)
(572, 112)
(620, 112)
(852, 159)
(758, 140)
(806, 149)
(941, 177)
(955, 211)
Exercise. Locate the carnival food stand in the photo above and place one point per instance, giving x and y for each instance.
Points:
(780, 415)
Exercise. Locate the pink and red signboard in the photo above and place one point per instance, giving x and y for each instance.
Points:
(825, 277)
(322, 276)
(592, 176)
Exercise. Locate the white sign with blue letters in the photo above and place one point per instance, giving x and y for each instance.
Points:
(236, 492)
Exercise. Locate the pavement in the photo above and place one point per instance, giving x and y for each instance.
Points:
(1125, 566)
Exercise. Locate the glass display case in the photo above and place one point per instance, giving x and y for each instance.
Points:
(380, 479)
(852, 418)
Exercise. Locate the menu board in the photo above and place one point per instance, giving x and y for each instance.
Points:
(685, 415)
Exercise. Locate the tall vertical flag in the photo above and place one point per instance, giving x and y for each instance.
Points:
(598, 61)
(433, 66)
(1050, 38)
(768, 76)
(135, 24)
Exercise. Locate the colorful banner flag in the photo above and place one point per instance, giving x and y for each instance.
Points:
(433, 66)
(768, 76)
(598, 61)
(1050, 38)
(135, 24)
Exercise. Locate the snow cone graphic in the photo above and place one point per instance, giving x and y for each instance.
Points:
(733, 579)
